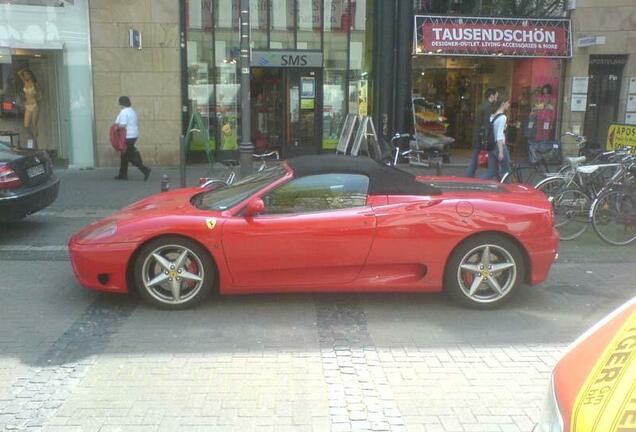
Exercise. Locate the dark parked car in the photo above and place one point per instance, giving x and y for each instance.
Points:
(27, 183)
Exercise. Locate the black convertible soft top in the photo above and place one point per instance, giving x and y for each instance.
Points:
(383, 179)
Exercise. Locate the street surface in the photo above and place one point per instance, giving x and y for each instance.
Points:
(75, 360)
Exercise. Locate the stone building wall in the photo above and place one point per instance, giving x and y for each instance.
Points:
(150, 76)
(614, 19)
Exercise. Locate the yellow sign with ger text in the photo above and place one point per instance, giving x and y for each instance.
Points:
(607, 400)
(620, 136)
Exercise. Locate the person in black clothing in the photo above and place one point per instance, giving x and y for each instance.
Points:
(482, 118)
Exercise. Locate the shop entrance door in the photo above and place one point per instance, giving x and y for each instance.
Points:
(286, 107)
(602, 96)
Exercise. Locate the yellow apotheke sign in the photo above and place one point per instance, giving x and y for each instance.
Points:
(620, 136)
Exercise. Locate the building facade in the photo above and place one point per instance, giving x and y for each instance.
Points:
(312, 63)
(597, 80)
(149, 74)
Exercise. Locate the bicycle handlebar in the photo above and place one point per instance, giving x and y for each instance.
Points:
(263, 156)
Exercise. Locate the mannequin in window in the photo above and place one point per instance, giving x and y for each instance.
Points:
(32, 94)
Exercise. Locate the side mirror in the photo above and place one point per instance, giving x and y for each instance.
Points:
(254, 208)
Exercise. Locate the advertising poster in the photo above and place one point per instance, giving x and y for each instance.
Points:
(620, 136)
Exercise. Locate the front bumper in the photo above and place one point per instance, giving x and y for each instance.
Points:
(101, 267)
(18, 203)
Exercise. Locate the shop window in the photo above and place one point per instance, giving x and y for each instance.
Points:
(200, 73)
(360, 59)
(282, 24)
(309, 24)
(447, 92)
(226, 77)
(213, 81)
(498, 8)
(258, 24)
(318, 193)
(335, 92)
(46, 93)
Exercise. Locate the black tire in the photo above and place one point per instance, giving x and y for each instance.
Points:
(197, 262)
(503, 250)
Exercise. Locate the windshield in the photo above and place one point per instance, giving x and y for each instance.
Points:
(228, 196)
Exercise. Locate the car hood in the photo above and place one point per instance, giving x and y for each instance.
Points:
(174, 202)
(154, 214)
(594, 381)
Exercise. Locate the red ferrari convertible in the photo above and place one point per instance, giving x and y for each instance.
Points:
(324, 223)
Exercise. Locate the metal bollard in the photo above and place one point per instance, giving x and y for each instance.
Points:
(165, 183)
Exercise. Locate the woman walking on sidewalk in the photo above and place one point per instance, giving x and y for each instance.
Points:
(128, 119)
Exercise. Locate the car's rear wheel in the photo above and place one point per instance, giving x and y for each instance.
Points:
(174, 273)
(484, 272)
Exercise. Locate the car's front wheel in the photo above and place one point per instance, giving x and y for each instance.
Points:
(484, 272)
(173, 273)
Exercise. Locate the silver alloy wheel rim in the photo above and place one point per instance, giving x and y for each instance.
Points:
(172, 274)
(487, 273)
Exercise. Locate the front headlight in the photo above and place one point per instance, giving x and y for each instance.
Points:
(551, 419)
(101, 232)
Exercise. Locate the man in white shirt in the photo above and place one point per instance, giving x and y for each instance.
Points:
(499, 157)
(128, 119)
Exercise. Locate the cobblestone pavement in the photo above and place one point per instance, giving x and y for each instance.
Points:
(74, 360)
(276, 363)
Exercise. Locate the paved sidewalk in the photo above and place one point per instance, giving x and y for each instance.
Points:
(73, 360)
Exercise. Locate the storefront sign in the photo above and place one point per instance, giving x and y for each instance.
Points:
(587, 41)
(302, 59)
(620, 136)
(508, 37)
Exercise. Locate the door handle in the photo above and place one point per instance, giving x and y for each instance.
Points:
(592, 105)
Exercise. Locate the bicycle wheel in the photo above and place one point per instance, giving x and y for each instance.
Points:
(572, 210)
(511, 176)
(551, 186)
(613, 217)
(534, 177)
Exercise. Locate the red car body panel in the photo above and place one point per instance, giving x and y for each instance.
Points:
(573, 369)
(394, 243)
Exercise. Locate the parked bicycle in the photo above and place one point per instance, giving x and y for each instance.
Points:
(613, 212)
(534, 172)
(230, 166)
(573, 203)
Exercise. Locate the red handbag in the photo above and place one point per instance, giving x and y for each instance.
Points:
(482, 159)
(118, 137)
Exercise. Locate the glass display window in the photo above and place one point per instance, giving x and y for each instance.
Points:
(46, 87)
(454, 88)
